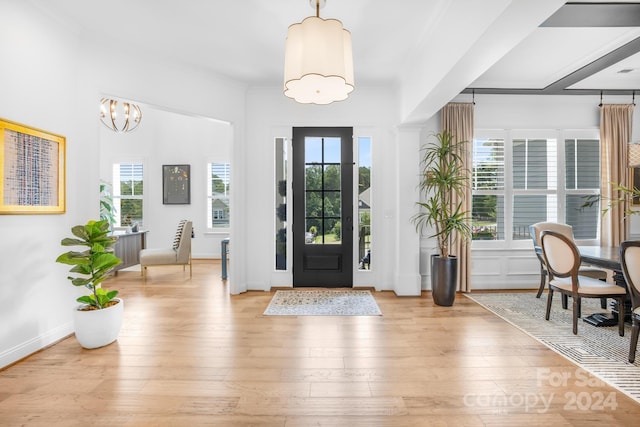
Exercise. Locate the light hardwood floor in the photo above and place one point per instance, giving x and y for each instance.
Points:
(190, 354)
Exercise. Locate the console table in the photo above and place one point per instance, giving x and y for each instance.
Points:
(128, 248)
(224, 252)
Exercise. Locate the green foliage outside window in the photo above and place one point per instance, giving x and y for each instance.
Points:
(329, 206)
(131, 188)
(130, 209)
(218, 185)
(484, 215)
(364, 178)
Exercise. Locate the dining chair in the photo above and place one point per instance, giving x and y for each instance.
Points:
(562, 259)
(630, 260)
(567, 231)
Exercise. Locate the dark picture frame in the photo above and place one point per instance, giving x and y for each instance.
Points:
(176, 184)
(32, 170)
(635, 183)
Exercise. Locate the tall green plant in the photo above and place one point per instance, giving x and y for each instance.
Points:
(93, 264)
(626, 194)
(444, 179)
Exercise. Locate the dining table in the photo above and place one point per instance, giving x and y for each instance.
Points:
(607, 257)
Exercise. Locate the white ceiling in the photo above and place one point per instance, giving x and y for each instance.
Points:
(552, 53)
(430, 49)
(549, 54)
(244, 39)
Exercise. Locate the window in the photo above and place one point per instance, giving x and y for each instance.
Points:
(280, 202)
(323, 190)
(582, 179)
(548, 180)
(534, 181)
(128, 194)
(488, 189)
(218, 177)
(364, 203)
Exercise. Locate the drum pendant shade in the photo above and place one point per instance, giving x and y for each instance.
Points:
(318, 61)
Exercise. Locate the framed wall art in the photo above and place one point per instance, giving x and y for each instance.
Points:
(32, 170)
(176, 184)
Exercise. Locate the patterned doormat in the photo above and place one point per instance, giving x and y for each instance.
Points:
(323, 303)
(598, 350)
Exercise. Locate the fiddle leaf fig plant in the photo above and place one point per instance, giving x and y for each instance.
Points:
(93, 265)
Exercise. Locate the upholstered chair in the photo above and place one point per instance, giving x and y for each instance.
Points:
(562, 259)
(630, 260)
(177, 254)
(566, 230)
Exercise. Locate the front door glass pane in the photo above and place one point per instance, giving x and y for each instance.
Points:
(332, 177)
(323, 196)
(331, 150)
(280, 192)
(313, 177)
(313, 150)
(332, 204)
(364, 203)
(313, 205)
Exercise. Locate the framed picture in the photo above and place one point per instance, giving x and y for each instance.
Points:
(635, 183)
(32, 170)
(176, 184)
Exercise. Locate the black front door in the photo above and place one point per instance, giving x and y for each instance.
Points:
(322, 207)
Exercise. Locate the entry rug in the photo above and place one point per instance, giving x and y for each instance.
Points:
(598, 350)
(323, 303)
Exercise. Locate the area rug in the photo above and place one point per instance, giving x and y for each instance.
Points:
(323, 303)
(598, 350)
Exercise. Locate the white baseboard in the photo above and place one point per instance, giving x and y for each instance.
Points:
(35, 344)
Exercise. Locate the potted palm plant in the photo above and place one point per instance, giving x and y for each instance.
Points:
(98, 319)
(444, 179)
(626, 194)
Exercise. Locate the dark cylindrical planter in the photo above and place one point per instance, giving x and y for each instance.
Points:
(444, 275)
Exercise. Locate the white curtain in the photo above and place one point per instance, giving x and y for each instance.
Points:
(615, 133)
(458, 119)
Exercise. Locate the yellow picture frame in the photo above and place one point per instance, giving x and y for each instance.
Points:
(32, 170)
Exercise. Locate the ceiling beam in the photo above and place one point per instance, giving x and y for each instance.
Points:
(584, 15)
(595, 15)
(596, 66)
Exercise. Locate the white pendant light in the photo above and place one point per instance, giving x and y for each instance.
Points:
(119, 116)
(318, 65)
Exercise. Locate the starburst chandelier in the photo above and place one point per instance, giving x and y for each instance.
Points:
(119, 116)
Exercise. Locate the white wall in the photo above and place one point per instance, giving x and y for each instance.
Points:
(39, 89)
(172, 87)
(372, 112)
(53, 79)
(175, 130)
(165, 138)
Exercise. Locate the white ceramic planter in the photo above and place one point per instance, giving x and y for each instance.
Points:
(97, 328)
